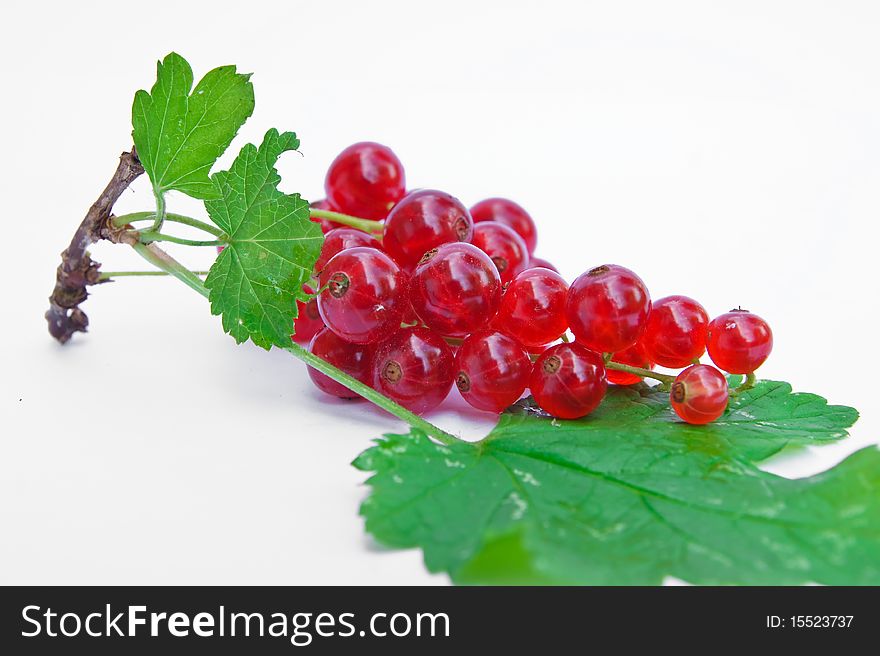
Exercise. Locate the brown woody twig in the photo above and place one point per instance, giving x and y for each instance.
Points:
(77, 269)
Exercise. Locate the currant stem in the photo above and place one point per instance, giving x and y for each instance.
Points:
(160, 210)
(638, 371)
(162, 260)
(345, 219)
(125, 219)
(370, 394)
(149, 236)
(748, 383)
(168, 264)
(109, 275)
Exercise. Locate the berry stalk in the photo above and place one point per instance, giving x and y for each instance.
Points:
(168, 264)
(639, 371)
(372, 227)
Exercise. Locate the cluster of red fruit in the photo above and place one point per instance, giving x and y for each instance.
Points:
(450, 295)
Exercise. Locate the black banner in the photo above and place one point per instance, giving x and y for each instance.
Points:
(117, 620)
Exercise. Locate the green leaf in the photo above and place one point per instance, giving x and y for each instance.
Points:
(179, 135)
(629, 496)
(255, 282)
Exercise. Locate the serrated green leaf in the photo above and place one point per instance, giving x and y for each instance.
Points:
(629, 496)
(255, 282)
(757, 424)
(179, 135)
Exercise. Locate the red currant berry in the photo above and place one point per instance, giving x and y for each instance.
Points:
(739, 341)
(510, 214)
(423, 220)
(634, 356)
(326, 226)
(363, 295)
(308, 320)
(676, 332)
(608, 308)
(366, 180)
(455, 289)
(506, 248)
(533, 308)
(492, 370)
(340, 239)
(568, 381)
(415, 367)
(353, 359)
(699, 394)
(539, 262)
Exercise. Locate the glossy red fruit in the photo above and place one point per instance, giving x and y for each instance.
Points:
(366, 180)
(607, 308)
(676, 332)
(363, 295)
(415, 367)
(539, 262)
(340, 239)
(353, 359)
(506, 248)
(455, 289)
(326, 226)
(308, 320)
(492, 370)
(423, 220)
(739, 341)
(635, 356)
(568, 381)
(699, 394)
(533, 308)
(510, 214)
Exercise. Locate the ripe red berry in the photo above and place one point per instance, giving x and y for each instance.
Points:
(608, 308)
(510, 214)
(699, 394)
(363, 295)
(533, 308)
(676, 332)
(539, 262)
(326, 226)
(492, 370)
(415, 367)
(635, 356)
(308, 321)
(568, 381)
(366, 180)
(455, 289)
(353, 359)
(739, 341)
(423, 220)
(506, 248)
(340, 239)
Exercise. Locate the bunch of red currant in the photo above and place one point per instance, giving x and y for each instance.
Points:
(441, 294)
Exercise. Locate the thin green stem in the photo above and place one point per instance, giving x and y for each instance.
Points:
(370, 394)
(171, 217)
(346, 219)
(160, 210)
(748, 383)
(109, 275)
(638, 371)
(165, 262)
(149, 236)
(162, 260)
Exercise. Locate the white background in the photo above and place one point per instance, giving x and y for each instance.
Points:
(724, 150)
